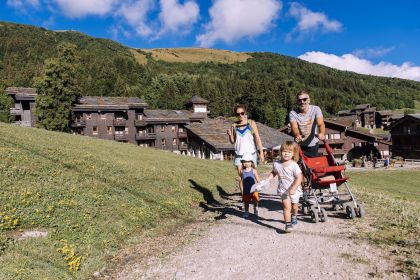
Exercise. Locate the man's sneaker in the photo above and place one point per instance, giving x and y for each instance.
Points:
(246, 214)
(256, 211)
(294, 221)
(288, 228)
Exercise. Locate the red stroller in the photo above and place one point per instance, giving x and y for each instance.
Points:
(324, 179)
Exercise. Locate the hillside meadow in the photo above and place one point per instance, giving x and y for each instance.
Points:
(96, 197)
(92, 197)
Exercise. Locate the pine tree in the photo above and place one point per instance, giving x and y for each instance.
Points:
(57, 90)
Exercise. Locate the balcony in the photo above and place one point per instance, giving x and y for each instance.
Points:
(24, 123)
(120, 122)
(15, 111)
(121, 137)
(145, 136)
(183, 146)
(182, 134)
(78, 123)
(142, 122)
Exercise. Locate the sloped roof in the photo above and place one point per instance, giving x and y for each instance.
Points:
(103, 102)
(344, 112)
(346, 121)
(385, 112)
(22, 92)
(198, 99)
(213, 132)
(168, 115)
(413, 117)
(362, 106)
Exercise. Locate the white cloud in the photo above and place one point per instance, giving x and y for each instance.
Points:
(135, 15)
(232, 20)
(373, 52)
(311, 22)
(350, 62)
(175, 16)
(81, 8)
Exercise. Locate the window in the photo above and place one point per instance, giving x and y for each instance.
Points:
(163, 142)
(95, 130)
(353, 145)
(174, 141)
(140, 117)
(375, 144)
(327, 136)
(335, 136)
(181, 129)
(162, 128)
(109, 128)
(173, 128)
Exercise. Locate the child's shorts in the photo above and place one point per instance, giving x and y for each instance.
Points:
(294, 198)
(253, 197)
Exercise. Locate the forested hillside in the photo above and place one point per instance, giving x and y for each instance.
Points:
(266, 82)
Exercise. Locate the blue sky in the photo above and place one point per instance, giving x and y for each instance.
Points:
(370, 37)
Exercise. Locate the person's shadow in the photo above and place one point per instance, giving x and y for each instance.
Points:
(232, 207)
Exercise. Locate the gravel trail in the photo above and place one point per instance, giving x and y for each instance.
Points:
(238, 248)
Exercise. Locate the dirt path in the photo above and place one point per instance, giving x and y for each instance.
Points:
(238, 248)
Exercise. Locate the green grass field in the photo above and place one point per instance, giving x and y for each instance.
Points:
(403, 185)
(392, 202)
(96, 197)
(92, 197)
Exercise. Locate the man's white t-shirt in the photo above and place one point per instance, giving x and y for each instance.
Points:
(305, 121)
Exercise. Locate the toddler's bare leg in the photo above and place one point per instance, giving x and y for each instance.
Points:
(286, 209)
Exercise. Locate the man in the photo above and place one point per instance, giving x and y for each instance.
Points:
(307, 125)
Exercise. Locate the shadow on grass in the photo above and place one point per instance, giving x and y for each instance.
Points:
(229, 208)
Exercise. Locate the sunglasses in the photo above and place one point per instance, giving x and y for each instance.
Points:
(303, 99)
(240, 114)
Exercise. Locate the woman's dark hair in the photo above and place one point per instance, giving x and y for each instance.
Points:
(237, 106)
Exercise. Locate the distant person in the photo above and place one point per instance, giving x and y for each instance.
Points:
(307, 123)
(249, 177)
(289, 187)
(244, 135)
(386, 162)
(374, 161)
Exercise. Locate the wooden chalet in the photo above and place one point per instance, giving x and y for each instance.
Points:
(23, 109)
(405, 137)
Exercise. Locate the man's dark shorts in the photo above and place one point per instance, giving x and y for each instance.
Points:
(310, 151)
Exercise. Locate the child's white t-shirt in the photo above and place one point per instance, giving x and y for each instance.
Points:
(286, 175)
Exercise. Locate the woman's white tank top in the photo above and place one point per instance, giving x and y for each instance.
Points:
(244, 143)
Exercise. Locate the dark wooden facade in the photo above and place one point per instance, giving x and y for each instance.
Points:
(123, 119)
(405, 137)
(24, 107)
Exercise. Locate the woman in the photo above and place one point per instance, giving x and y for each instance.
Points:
(244, 135)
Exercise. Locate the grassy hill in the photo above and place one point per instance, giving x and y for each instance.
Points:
(92, 197)
(196, 55)
(167, 78)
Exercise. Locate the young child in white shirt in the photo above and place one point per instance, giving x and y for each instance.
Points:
(290, 178)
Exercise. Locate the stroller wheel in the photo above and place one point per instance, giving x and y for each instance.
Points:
(350, 212)
(315, 215)
(324, 215)
(360, 211)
